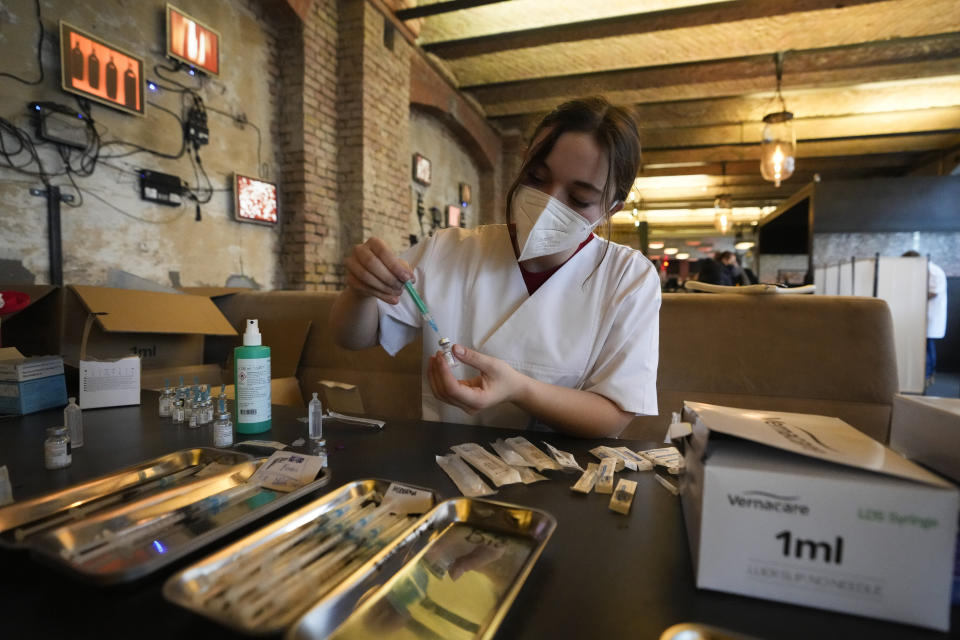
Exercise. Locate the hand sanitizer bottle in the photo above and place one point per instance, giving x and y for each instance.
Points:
(73, 420)
(251, 376)
(315, 416)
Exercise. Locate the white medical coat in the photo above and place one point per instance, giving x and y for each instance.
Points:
(936, 306)
(598, 332)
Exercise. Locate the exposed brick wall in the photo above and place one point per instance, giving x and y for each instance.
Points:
(310, 256)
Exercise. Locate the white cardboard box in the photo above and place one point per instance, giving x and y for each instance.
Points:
(927, 430)
(109, 384)
(807, 510)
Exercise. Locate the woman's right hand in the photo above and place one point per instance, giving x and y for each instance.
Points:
(374, 270)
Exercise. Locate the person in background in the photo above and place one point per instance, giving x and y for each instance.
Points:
(714, 271)
(735, 275)
(936, 312)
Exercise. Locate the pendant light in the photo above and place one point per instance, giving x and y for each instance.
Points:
(778, 148)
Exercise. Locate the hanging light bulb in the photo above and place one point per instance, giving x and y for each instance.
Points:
(723, 217)
(778, 148)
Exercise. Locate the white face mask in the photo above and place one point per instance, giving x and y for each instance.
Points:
(545, 225)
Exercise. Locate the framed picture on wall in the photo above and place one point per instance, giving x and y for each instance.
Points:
(421, 170)
(98, 70)
(464, 194)
(453, 216)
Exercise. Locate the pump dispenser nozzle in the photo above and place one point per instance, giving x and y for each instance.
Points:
(251, 337)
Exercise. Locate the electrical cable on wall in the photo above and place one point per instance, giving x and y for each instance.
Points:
(39, 53)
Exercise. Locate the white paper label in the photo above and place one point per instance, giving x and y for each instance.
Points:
(404, 500)
(253, 390)
(286, 471)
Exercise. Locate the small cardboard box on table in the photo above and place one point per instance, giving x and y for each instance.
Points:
(926, 429)
(808, 510)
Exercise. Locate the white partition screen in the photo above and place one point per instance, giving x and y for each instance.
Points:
(863, 276)
(819, 277)
(845, 283)
(831, 282)
(902, 282)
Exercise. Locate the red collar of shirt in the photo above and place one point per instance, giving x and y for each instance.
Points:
(534, 280)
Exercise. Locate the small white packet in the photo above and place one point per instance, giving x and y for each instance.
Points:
(642, 463)
(602, 452)
(404, 500)
(588, 479)
(468, 482)
(528, 475)
(287, 470)
(564, 459)
(622, 498)
(608, 467)
(508, 455)
(533, 455)
(488, 464)
(669, 457)
(6, 489)
(669, 486)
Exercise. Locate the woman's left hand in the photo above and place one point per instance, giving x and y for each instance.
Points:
(498, 382)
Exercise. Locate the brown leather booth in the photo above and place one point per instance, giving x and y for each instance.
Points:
(810, 354)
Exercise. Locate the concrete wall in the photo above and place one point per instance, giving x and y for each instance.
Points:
(451, 165)
(113, 228)
(943, 248)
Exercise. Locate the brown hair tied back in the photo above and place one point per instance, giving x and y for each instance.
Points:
(612, 127)
(616, 133)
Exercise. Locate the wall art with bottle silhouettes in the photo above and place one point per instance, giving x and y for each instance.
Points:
(100, 71)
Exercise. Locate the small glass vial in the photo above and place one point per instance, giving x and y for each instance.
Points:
(319, 448)
(315, 418)
(165, 408)
(57, 453)
(222, 427)
(447, 347)
(73, 421)
(196, 410)
(178, 412)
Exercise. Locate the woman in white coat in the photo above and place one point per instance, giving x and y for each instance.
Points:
(551, 324)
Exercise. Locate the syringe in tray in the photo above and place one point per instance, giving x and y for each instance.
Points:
(108, 540)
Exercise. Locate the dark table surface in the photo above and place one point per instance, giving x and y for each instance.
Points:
(602, 575)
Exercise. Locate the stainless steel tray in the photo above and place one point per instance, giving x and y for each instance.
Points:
(250, 585)
(21, 521)
(469, 560)
(136, 539)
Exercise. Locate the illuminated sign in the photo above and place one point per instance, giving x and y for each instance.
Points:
(255, 200)
(191, 42)
(100, 71)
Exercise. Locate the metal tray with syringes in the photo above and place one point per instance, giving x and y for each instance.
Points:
(454, 576)
(261, 583)
(22, 521)
(151, 526)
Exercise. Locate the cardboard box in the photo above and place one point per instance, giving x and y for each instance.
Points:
(84, 322)
(807, 510)
(927, 430)
(28, 385)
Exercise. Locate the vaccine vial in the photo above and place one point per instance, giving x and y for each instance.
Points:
(73, 420)
(165, 408)
(57, 453)
(222, 427)
(315, 418)
(447, 347)
(178, 412)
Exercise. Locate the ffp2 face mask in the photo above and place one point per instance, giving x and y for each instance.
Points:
(545, 225)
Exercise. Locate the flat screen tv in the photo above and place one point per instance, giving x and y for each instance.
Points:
(192, 42)
(100, 71)
(255, 200)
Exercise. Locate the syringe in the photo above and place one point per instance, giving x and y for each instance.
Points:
(422, 307)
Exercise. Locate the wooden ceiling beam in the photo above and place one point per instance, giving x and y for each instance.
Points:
(882, 61)
(876, 145)
(437, 8)
(682, 18)
(942, 120)
(881, 97)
